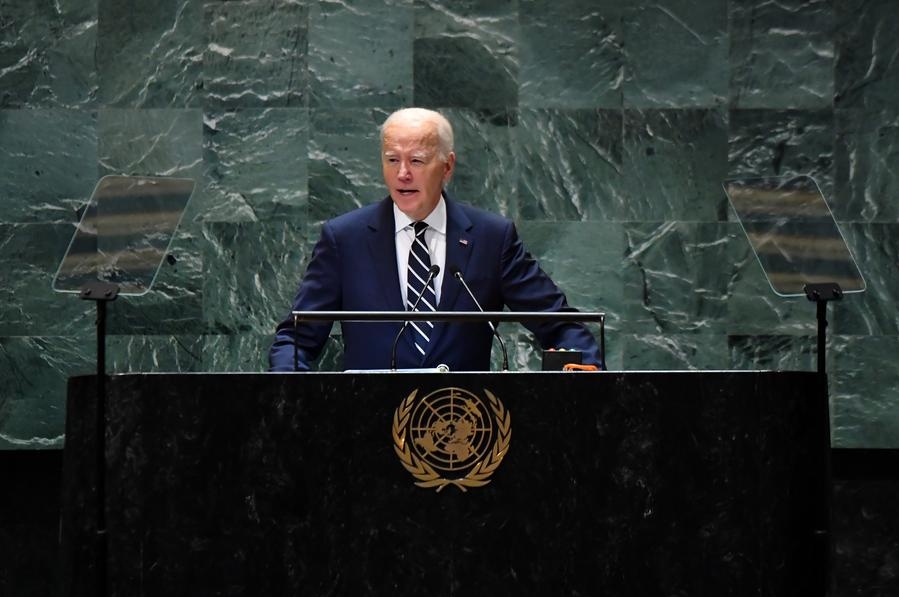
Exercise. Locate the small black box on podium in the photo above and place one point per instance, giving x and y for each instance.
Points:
(555, 360)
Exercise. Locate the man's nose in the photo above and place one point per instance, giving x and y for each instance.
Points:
(405, 172)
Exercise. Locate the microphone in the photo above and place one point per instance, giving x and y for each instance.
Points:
(435, 269)
(457, 274)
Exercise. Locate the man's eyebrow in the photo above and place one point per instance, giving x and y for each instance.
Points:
(419, 154)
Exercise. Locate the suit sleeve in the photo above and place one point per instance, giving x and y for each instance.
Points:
(526, 287)
(320, 290)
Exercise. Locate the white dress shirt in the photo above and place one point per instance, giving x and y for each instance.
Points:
(435, 238)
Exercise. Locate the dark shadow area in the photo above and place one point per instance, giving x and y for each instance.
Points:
(29, 523)
(865, 522)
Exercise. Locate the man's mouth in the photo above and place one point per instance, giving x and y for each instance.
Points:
(406, 191)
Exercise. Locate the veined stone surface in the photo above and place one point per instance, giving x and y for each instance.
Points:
(605, 131)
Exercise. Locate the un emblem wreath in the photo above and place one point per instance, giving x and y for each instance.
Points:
(451, 437)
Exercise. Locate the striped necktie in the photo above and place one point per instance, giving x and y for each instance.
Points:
(419, 269)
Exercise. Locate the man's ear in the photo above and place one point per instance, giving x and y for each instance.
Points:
(449, 166)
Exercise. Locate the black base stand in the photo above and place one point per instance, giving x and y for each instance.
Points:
(102, 293)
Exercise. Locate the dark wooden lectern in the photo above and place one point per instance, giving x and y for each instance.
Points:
(680, 483)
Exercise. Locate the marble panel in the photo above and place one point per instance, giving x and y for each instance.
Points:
(673, 352)
(523, 350)
(783, 143)
(148, 353)
(48, 163)
(773, 352)
(174, 305)
(33, 374)
(150, 54)
(865, 402)
(255, 163)
(486, 173)
(256, 54)
(47, 54)
(673, 164)
(866, 70)
(873, 312)
(151, 142)
(677, 277)
(572, 54)
(781, 54)
(675, 55)
(360, 54)
(569, 165)
(465, 54)
(160, 143)
(866, 151)
(752, 306)
(344, 161)
(556, 109)
(251, 274)
(246, 352)
(584, 259)
(30, 254)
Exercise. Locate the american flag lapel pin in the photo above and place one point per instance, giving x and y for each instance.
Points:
(463, 242)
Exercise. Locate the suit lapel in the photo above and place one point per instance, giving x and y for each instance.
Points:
(459, 245)
(382, 244)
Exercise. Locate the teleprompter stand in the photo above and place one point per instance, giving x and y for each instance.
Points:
(797, 242)
(101, 293)
(117, 249)
(801, 250)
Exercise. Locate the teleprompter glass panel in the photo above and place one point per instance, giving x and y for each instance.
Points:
(124, 233)
(793, 234)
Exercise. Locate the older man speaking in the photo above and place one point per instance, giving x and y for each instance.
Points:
(393, 255)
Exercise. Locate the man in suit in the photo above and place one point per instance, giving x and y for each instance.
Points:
(377, 259)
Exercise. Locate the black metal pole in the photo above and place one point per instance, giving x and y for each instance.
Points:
(101, 293)
(602, 343)
(822, 335)
(100, 426)
(296, 346)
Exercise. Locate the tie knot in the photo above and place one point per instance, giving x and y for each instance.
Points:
(420, 228)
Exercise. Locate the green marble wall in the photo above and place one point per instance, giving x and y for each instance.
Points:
(603, 128)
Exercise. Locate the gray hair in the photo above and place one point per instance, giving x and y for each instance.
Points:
(444, 128)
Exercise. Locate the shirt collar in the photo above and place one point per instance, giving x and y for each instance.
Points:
(436, 219)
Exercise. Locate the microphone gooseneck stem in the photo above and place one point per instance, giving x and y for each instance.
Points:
(458, 275)
(395, 342)
(435, 269)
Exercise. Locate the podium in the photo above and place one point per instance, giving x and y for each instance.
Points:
(642, 483)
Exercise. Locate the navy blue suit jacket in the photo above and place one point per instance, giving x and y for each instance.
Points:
(353, 268)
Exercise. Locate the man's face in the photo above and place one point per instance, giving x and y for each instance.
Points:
(413, 170)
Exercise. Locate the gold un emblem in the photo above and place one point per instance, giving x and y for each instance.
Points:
(451, 437)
